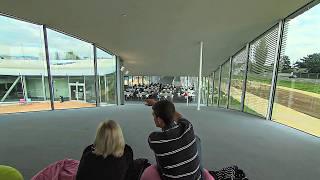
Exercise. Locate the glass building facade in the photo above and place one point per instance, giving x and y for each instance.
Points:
(277, 75)
(24, 80)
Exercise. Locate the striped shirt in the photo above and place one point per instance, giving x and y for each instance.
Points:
(176, 151)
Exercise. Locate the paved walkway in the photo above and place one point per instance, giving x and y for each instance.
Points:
(41, 106)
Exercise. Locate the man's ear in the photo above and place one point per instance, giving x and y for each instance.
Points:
(160, 122)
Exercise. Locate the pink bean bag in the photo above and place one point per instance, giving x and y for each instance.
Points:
(151, 173)
(61, 170)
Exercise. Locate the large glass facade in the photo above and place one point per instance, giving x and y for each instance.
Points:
(23, 74)
(260, 70)
(72, 70)
(106, 77)
(225, 74)
(237, 79)
(297, 98)
(24, 84)
(292, 94)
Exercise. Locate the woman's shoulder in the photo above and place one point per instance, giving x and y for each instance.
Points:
(89, 148)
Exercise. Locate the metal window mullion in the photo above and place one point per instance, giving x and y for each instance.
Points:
(275, 70)
(50, 83)
(95, 67)
(229, 82)
(244, 85)
(219, 90)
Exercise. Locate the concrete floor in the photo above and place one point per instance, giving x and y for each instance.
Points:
(264, 149)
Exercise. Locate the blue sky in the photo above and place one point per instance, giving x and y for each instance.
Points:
(304, 35)
(19, 38)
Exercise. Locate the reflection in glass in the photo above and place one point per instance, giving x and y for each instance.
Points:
(225, 74)
(72, 70)
(106, 71)
(260, 69)
(237, 78)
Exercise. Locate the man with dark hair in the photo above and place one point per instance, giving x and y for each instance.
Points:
(175, 147)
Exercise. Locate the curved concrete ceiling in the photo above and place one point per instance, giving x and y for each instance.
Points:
(159, 37)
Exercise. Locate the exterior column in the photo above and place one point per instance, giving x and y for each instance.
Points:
(48, 66)
(95, 65)
(119, 82)
(25, 92)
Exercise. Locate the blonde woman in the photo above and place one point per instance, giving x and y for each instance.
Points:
(109, 158)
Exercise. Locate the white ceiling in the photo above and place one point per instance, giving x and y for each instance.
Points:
(159, 37)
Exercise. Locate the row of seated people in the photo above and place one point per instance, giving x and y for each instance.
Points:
(176, 148)
(155, 91)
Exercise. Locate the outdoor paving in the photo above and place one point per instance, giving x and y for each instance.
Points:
(41, 106)
(292, 115)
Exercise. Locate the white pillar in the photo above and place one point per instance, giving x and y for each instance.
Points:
(24, 84)
(200, 76)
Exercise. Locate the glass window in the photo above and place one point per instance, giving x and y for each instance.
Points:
(106, 76)
(225, 74)
(237, 78)
(260, 69)
(216, 87)
(23, 74)
(146, 80)
(72, 70)
(204, 90)
(297, 99)
(210, 90)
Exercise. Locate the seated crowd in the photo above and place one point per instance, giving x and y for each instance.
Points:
(158, 91)
(176, 147)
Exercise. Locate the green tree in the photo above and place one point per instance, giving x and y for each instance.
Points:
(72, 55)
(310, 62)
(284, 64)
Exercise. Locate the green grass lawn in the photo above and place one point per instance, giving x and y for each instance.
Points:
(304, 86)
(235, 104)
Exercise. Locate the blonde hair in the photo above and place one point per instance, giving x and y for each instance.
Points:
(109, 139)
